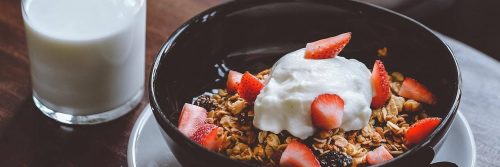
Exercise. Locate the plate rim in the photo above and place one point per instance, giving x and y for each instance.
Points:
(471, 137)
(138, 126)
(146, 115)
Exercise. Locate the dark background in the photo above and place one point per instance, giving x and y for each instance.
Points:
(474, 22)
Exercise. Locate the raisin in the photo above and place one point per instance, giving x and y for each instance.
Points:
(243, 118)
(335, 159)
(205, 101)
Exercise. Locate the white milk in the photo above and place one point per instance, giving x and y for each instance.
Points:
(87, 56)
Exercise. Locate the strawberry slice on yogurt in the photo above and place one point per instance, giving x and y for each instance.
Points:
(327, 111)
(328, 47)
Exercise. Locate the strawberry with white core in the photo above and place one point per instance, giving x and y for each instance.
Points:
(191, 118)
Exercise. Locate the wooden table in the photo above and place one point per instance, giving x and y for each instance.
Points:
(28, 138)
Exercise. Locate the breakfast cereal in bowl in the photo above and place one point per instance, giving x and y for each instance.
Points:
(313, 108)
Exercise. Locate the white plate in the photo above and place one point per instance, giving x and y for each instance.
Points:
(146, 147)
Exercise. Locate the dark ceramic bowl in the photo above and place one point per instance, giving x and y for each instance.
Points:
(253, 34)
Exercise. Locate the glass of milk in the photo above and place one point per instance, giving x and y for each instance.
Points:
(87, 57)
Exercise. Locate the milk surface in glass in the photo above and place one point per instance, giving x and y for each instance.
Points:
(87, 57)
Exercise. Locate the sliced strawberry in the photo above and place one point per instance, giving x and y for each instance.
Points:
(328, 47)
(378, 156)
(327, 111)
(249, 87)
(192, 117)
(421, 129)
(380, 84)
(297, 154)
(412, 89)
(233, 80)
(207, 137)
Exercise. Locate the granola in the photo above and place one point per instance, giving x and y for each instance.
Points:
(241, 141)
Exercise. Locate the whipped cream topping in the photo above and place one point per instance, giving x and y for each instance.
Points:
(294, 82)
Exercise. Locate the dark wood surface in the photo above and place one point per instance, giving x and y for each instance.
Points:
(28, 138)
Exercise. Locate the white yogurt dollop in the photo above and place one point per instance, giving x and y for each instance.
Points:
(294, 82)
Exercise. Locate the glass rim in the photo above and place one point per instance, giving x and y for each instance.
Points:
(26, 17)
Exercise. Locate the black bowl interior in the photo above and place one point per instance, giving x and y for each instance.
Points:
(252, 35)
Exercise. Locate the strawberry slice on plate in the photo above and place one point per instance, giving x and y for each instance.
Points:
(380, 84)
(421, 130)
(297, 154)
(233, 81)
(249, 87)
(191, 118)
(328, 47)
(207, 137)
(412, 89)
(327, 111)
(377, 156)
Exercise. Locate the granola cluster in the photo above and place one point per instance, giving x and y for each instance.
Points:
(242, 141)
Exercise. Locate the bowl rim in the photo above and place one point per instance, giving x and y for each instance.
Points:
(165, 124)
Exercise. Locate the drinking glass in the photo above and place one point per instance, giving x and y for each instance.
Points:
(87, 57)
